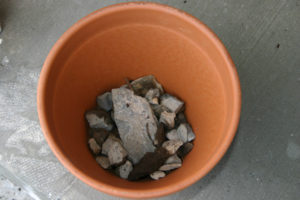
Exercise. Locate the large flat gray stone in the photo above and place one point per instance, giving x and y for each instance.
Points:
(136, 123)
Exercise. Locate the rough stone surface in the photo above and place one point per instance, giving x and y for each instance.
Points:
(104, 101)
(173, 159)
(172, 146)
(94, 146)
(158, 109)
(108, 143)
(182, 132)
(99, 119)
(125, 169)
(160, 135)
(168, 118)
(116, 153)
(143, 84)
(184, 150)
(157, 175)
(103, 162)
(172, 135)
(99, 135)
(136, 123)
(152, 96)
(151, 162)
(172, 103)
(168, 167)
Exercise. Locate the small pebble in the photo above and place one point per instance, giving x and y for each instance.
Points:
(108, 143)
(172, 135)
(168, 167)
(158, 109)
(143, 84)
(99, 119)
(173, 160)
(116, 153)
(125, 169)
(157, 175)
(103, 162)
(1, 41)
(104, 101)
(152, 96)
(184, 150)
(99, 135)
(168, 118)
(94, 146)
(171, 103)
(172, 146)
(182, 132)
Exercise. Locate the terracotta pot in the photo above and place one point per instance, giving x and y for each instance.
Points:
(132, 40)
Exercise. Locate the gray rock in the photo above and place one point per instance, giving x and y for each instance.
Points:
(96, 149)
(104, 101)
(108, 143)
(157, 175)
(158, 109)
(137, 125)
(103, 162)
(152, 96)
(174, 159)
(171, 103)
(125, 169)
(99, 119)
(150, 163)
(116, 153)
(168, 167)
(143, 84)
(168, 118)
(182, 132)
(172, 135)
(172, 146)
(184, 150)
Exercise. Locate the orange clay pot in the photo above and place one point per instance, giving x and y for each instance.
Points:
(132, 40)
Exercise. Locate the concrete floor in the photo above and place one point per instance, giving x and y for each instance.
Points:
(263, 38)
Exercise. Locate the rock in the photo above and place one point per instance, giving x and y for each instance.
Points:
(5, 61)
(143, 84)
(167, 118)
(168, 167)
(172, 146)
(104, 101)
(182, 132)
(150, 163)
(157, 175)
(173, 159)
(116, 153)
(171, 103)
(158, 109)
(160, 135)
(108, 143)
(180, 118)
(152, 96)
(99, 119)
(95, 148)
(172, 162)
(137, 125)
(185, 132)
(103, 162)
(184, 150)
(172, 135)
(125, 169)
(99, 135)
